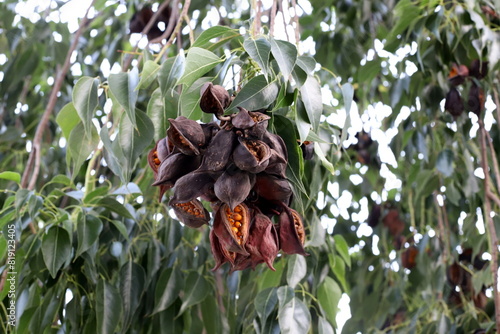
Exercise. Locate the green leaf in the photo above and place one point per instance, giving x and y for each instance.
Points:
(198, 62)
(196, 289)
(225, 34)
(56, 249)
(85, 101)
(67, 119)
(297, 270)
(293, 315)
(170, 72)
(259, 50)
(265, 301)
(329, 295)
(338, 268)
(211, 315)
(114, 206)
(157, 115)
(285, 54)
(132, 283)
(149, 73)
(272, 278)
(310, 93)
(444, 163)
(123, 86)
(326, 163)
(189, 101)
(134, 139)
(302, 120)
(12, 176)
(81, 143)
(343, 249)
(108, 307)
(324, 326)
(170, 283)
(308, 64)
(88, 229)
(348, 96)
(256, 94)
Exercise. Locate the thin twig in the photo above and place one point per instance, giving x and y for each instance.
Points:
(296, 21)
(273, 17)
(145, 31)
(35, 154)
(442, 230)
(497, 102)
(491, 226)
(257, 22)
(191, 34)
(493, 197)
(494, 159)
(177, 29)
(169, 30)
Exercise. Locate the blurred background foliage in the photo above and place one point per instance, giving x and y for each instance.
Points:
(399, 208)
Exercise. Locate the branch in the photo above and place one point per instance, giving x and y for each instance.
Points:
(491, 226)
(273, 17)
(497, 102)
(30, 175)
(177, 29)
(494, 158)
(257, 22)
(296, 21)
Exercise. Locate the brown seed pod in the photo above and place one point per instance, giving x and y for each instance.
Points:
(409, 257)
(476, 99)
(232, 227)
(454, 104)
(242, 120)
(262, 243)
(214, 99)
(186, 134)
(455, 274)
(193, 185)
(158, 154)
(291, 232)
(220, 254)
(174, 167)
(457, 75)
(241, 262)
(374, 217)
(393, 223)
(478, 69)
(192, 213)
(233, 186)
(251, 155)
(209, 130)
(307, 148)
(217, 155)
(273, 188)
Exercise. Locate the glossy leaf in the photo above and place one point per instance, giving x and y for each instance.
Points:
(189, 101)
(123, 86)
(224, 34)
(132, 284)
(81, 143)
(170, 283)
(85, 101)
(343, 249)
(67, 119)
(297, 269)
(265, 302)
(12, 176)
(88, 229)
(148, 74)
(108, 307)
(285, 54)
(310, 93)
(256, 94)
(114, 206)
(198, 288)
(56, 249)
(259, 50)
(329, 295)
(170, 72)
(293, 315)
(198, 62)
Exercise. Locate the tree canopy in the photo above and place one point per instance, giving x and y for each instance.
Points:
(349, 145)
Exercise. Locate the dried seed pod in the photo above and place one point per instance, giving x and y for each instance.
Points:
(243, 120)
(232, 227)
(209, 130)
(193, 185)
(457, 75)
(233, 186)
(476, 99)
(260, 128)
(374, 217)
(158, 154)
(455, 274)
(219, 151)
(307, 148)
(273, 188)
(220, 254)
(478, 69)
(191, 214)
(174, 167)
(291, 232)
(251, 155)
(186, 134)
(214, 99)
(409, 257)
(241, 262)
(393, 223)
(454, 104)
(262, 243)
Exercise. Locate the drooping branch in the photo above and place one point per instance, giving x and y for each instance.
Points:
(490, 224)
(32, 170)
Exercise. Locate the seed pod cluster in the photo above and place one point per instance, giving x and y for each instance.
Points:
(457, 77)
(238, 166)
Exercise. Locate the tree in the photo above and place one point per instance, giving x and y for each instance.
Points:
(399, 203)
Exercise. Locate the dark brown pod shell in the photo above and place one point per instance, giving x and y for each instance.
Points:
(457, 75)
(186, 134)
(217, 155)
(454, 104)
(374, 217)
(307, 148)
(221, 255)
(209, 130)
(214, 99)
(241, 262)
(174, 167)
(158, 154)
(276, 143)
(476, 99)
(251, 155)
(273, 188)
(260, 128)
(455, 274)
(243, 120)
(233, 187)
(232, 227)
(291, 232)
(393, 223)
(193, 185)
(478, 69)
(192, 213)
(409, 257)
(263, 242)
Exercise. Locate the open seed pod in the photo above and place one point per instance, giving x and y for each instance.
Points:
(292, 235)
(241, 262)
(174, 167)
(214, 99)
(454, 104)
(220, 254)
(219, 151)
(273, 188)
(262, 243)
(232, 227)
(233, 186)
(243, 120)
(260, 128)
(186, 134)
(192, 213)
(251, 155)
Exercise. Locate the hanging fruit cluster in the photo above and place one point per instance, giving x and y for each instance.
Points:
(238, 166)
(458, 75)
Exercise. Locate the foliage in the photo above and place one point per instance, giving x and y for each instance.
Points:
(96, 250)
